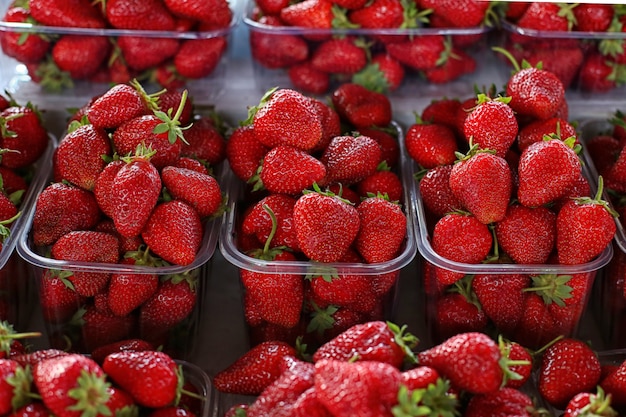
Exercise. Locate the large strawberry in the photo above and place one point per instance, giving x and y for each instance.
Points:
(201, 191)
(614, 383)
(252, 372)
(350, 159)
(259, 222)
(325, 224)
(127, 291)
(141, 53)
(491, 125)
(80, 56)
(341, 56)
(431, 144)
(71, 385)
(73, 13)
(135, 14)
(119, 104)
(382, 231)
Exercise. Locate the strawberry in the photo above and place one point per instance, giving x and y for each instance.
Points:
(500, 403)
(527, 234)
(365, 388)
(430, 144)
(372, 341)
(117, 105)
(339, 56)
(305, 77)
(483, 182)
(457, 311)
(614, 384)
(471, 361)
(100, 353)
(460, 238)
(151, 378)
(350, 159)
(244, 152)
(22, 131)
(172, 303)
(34, 409)
(100, 328)
(269, 127)
(120, 401)
(102, 189)
(379, 14)
(277, 51)
(577, 221)
(259, 221)
(361, 107)
(36, 356)
(583, 402)
(436, 193)
(383, 74)
(33, 49)
(317, 14)
(546, 170)
(600, 74)
(201, 191)
(81, 56)
(325, 224)
(198, 58)
(289, 170)
(71, 385)
(456, 64)
(73, 13)
(206, 11)
(383, 181)
(548, 16)
(172, 411)
(521, 363)
(174, 232)
(14, 384)
(135, 190)
(58, 299)
(459, 13)
(420, 52)
(141, 53)
(255, 370)
(80, 156)
(127, 291)
(57, 213)
(139, 14)
(535, 131)
(204, 142)
(560, 361)
(87, 246)
(491, 125)
(382, 231)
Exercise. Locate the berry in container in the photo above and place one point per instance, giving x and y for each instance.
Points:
(301, 227)
(120, 243)
(171, 43)
(397, 47)
(511, 225)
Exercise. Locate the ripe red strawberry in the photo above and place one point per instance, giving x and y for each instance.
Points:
(365, 388)
(339, 56)
(382, 231)
(255, 370)
(521, 363)
(205, 11)
(23, 132)
(483, 182)
(316, 14)
(460, 238)
(289, 170)
(100, 328)
(54, 379)
(471, 361)
(548, 16)
(500, 403)
(127, 291)
(201, 191)
(58, 300)
(350, 159)
(304, 132)
(102, 188)
(491, 125)
(134, 192)
(142, 53)
(379, 14)
(119, 104)
(151, 378)
(435, 191)
(382, 182)
(546, 170)
(204, 142)
(33, 49)
(371, 341)
(458, 12)
(456, 64)
(584, 228)
(244, 152)
(614, 384)
(306, 78)
(259, 222)
(420, 52)
(14, 385)
(139, 14)
(87, 246)
(431, 144)
(597, 403)
(325, 224)
(272, 51)
(538, 129)
(80, 56)
(527, 234)
(600, 74)
(198, 58)
(100, 353)
(174, 232)
(72, 13)
(80, 156)
(383, 74)
(560, 361)
(361, 107)
(56, 212)
(457, 312)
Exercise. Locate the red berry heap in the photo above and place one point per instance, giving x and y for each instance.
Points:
(505, 185)
(579, 61)
(55, 61)
(128, 189)
(314, 58)
(317, 196)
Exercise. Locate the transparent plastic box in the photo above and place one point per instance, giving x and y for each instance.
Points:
(72, 331)
(16, 77)
(436, 297)
(471, 44)
(258, 332)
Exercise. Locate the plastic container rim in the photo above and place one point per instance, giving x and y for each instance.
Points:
(229, 249)
(573, 34)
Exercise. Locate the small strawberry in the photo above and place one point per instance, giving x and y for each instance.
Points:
(58, 299)
(22, 131)
(119, 104)
(420, 52)
(340, 56)
(277, 50)
(383, 74)
(431, 144)
(244, 152)
(198, 58)
(201, 191)
(436, 193)
(457, 64)
(306, 78)
(579, 219)
(204, 142)
(382, 231)
(259, 221)
(586, 402)
(100, 328)
(251, 373)
(361, 107)
(142, 53)
(382, 182)
(127, 291)
(24, 47)
(491, 125)
(458, 12)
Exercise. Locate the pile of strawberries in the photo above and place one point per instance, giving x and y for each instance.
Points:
(589, 63)
(379, 51)
(501, 182)
(374, 368)
(131, 376)
(56, 59)
(127, 189)
(324, 203)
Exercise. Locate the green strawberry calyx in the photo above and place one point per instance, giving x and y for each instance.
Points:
(321, 319)
(473, 150)
(171, 125)
(91, 395)
(141, 152)
(404, 339)
(21, 382)
(8, 334)
(434, 400)
(252, 111)
(599, 405)
(180, 390)
(552, 288)
(598, 200)
(506, 363)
